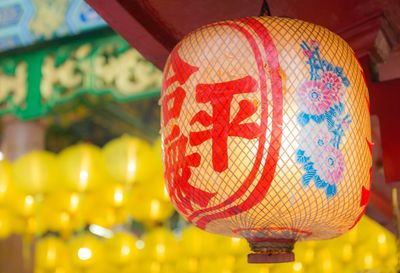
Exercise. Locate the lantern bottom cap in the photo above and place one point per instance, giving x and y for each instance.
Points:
(271, 252)
(266, 257)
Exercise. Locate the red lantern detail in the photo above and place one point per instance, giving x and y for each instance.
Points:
(236, 155)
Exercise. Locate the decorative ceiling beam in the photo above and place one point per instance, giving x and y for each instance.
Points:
(123, 17)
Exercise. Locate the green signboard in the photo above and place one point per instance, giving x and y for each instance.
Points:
(33, 83)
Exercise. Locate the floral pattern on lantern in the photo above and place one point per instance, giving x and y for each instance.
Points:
(323, 120)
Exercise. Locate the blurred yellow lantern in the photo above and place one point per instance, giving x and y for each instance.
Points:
(366, 260)
(85, 251)
(233, 246)
(6, 183)
(154, 188)
(113, 194)
(102, 213)
(147, 209)
(51, 219)
(24, 205)
(102, 268)
(222, 264)
(36, 173)
(151, 211)
(128, 159)
(160, 245)
(187, 265)
(151, 267)
(305, 253)
(198, 243)
(72, 203)
(61, 269)
(325, 262)
(6, 223)
(82, 167)
(266, 133)
(133, 268)
(50, 253)
(295, 267)
(195, 242)
(385, 244)
(122, 248)
(29, 227)
(105, 216)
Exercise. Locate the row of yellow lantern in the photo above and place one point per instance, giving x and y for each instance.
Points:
(194, 251)
(68, 212)
(85, 167)
(83, 185)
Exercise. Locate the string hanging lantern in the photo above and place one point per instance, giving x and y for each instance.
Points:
(266, 134)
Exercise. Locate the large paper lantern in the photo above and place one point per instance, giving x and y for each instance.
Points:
(266, 133)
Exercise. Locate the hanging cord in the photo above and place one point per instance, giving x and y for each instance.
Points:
(265, 11)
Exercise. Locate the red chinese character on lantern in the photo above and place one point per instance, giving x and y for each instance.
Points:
(177, 163)
(172, 103)
(220, 95)
(178, 171)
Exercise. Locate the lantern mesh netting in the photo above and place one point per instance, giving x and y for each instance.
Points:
(265, 131)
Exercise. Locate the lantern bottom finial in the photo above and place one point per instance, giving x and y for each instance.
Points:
(271, 252)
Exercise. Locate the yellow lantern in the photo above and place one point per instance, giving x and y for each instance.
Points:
(70, 202)
(187, 265)
(295, 267)
(151, 267)
(154, 188)
(133, 268)
(128, 159)
(61, 269)
(24, 205)
(85, 251)
(82, 167)
(102, 268)
(222, 264)
(36, 173)
(6, 223)
(266, 133)
(325, 262)
(104, 215)
(113, 194)
(365, 260)
(197, 243)
(29, 227)
(148, 204)
(122, 248)
(106, 208)
(51, 219)
(305, 253)
(6, 183)
(160, 245)
(50, 253)
(150, 211)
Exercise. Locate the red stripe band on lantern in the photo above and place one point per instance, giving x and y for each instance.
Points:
(264, 117)
(262, 187)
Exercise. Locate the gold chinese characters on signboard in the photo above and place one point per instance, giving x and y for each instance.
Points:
(31, 84)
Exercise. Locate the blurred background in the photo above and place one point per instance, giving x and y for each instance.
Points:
(81, 178)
